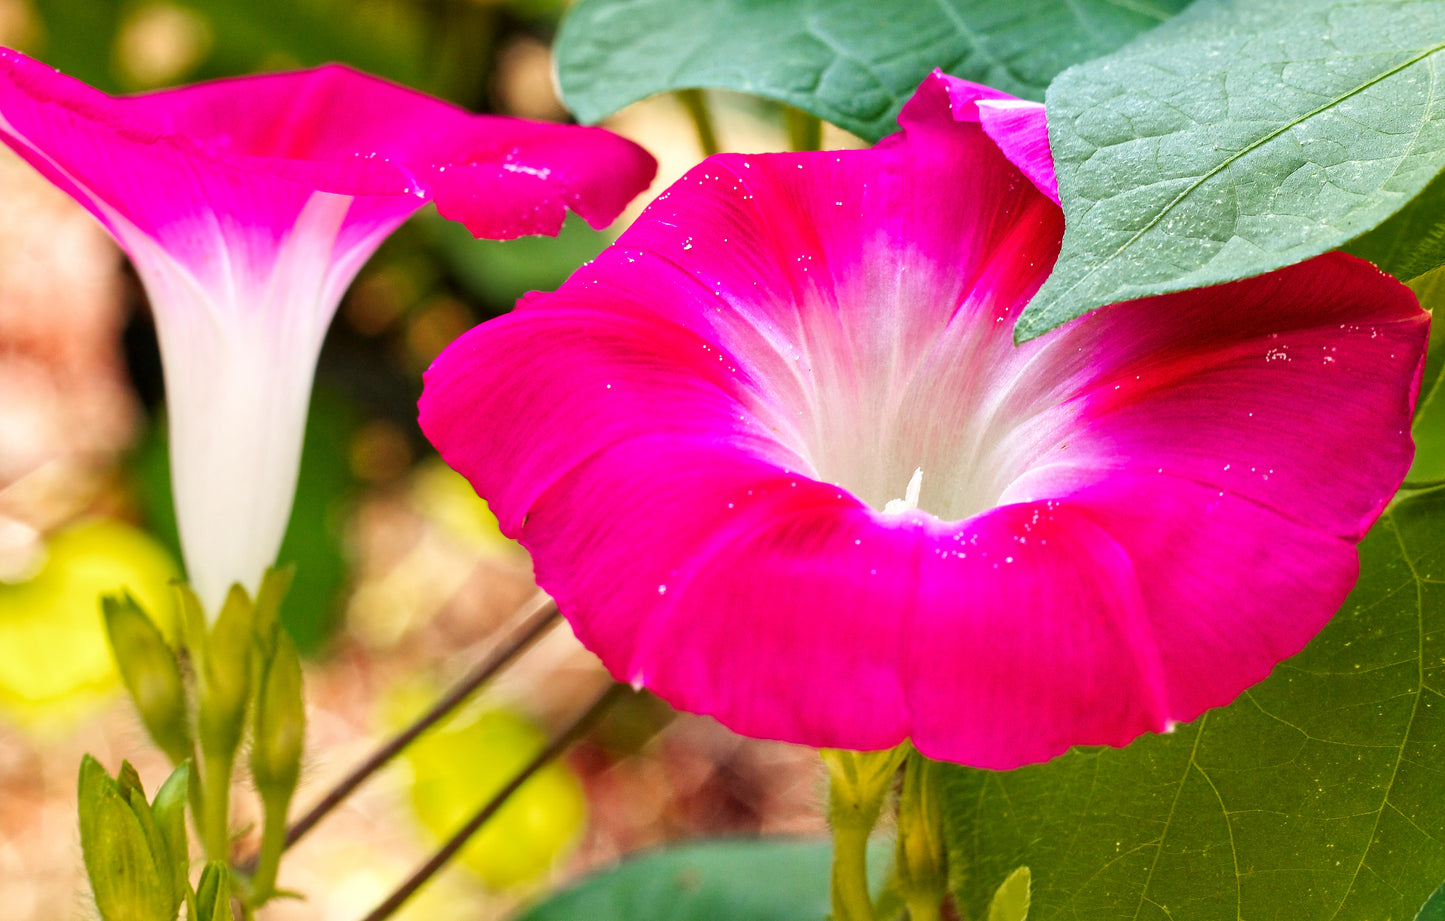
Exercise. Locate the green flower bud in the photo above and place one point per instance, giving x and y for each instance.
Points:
(266, 620)
(151, 674)
(280, 725)
(224, 673)
(127, 857)
(213, 894)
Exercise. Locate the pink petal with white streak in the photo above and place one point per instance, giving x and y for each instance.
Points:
(706, 438)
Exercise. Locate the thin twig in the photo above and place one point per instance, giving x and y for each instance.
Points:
(535, 620)
(559, 744)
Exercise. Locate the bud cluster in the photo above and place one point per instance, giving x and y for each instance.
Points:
(195, 702)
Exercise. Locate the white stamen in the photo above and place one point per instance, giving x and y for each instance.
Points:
(909, 502)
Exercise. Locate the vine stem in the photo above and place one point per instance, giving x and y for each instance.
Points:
(851, 901)
(697, 109)
(534, 619)
(426, 871)
(273, 842)
(216, 806)
(805, 132)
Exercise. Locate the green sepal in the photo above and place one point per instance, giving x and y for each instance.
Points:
(151, 674)
(213, 893)
(224, 671)
(128, 783)
(125, 855)
(279, 731)
(859, 783)
(1011, 899)
(921, 863)
(266, 617)
(169, 809)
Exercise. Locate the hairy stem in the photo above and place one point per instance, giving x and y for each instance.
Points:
(851, 901)
(216, 806)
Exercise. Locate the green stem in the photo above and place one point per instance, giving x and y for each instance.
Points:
(696, 104)
(805, 132)
(195, 795)
(858, 786)
(217, 806)
(273, 844)
(924, 909)
(851, 901)
(1422, 484)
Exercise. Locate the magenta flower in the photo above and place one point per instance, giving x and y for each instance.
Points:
(247, 206)
(777, 458)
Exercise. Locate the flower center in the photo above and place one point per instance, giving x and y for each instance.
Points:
(909, 502)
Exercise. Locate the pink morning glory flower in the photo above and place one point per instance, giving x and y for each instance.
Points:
(247, 206)
(777, 458)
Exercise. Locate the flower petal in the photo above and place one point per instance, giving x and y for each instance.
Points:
(1127, 607)
(248, 205)
(1293, 390)
(699, 437)
(1021, 131)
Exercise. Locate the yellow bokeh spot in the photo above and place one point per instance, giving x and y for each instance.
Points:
(54, 656)
(458, 767)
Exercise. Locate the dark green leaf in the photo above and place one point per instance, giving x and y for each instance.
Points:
(1238, 139)
(386, 39)
(78, 38)
(1429, 426)
(499, 272)
(1434, 909)
(766, 880)
(851, 62)
(1411, 243)
(1315, 796)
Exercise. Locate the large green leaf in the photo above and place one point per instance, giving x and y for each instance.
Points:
(1429, 425)
(767, 880)
(851, 62)
(1412, 242)
(1434, 909)
(1319, 794)
(1237, 139)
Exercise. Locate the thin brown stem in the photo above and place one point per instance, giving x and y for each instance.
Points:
(534, 620)
(558, 745)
